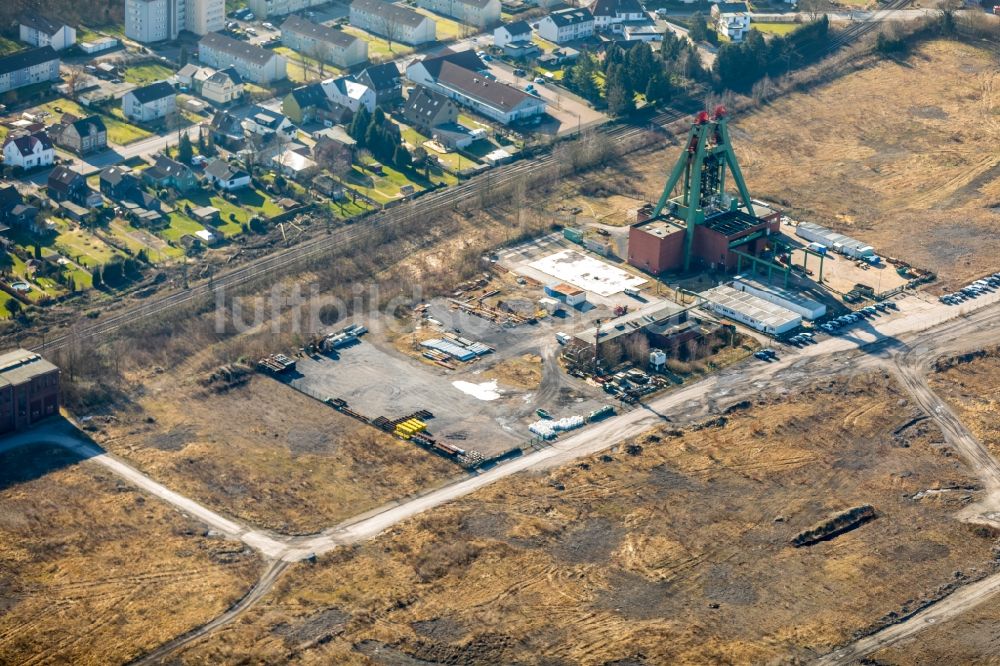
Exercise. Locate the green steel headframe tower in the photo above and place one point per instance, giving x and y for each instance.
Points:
(703, 164)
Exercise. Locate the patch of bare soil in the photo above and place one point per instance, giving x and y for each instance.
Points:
(93, 571)
(679, 552)
(266, 453)
(970, 386)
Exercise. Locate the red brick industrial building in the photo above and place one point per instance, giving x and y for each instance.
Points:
(657, 245)
(29, 390)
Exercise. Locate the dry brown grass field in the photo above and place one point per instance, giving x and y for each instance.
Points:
(267, 454)
(874, 153)
(92, 571)
(673, 548)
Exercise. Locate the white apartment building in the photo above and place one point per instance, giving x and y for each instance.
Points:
(253, 63)
(27, 67)
(38, 30)
(148, 103)
(567, 25)
(732, 19)
(266, 8)
(149, 21)
(323, 43)
(479, 13)
(394, 22)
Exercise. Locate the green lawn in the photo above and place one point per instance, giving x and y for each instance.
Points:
(148, 73)
(346, 208)
(448, 29)
(543, 44)
(83, 247)
(303, 69)
(120, 131)
(249, 203)
(180, 225)
(775, 28)
(138, 239)
(378, 48)
(9, 45)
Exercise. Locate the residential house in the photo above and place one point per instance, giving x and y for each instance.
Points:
(226, 176)
(223, 87)
(611, 14)
(479, 13)
(226, 130)
(28, 151)
(82, 135)
(426, 109)
(148, 103)
(567, 25)
(64, 184)
(309, 103)
(493, 99)
(168, 173)
(323, 43)
(192, 76)
(254, 63)
(518, 31)
(334, 148)
(118, 183)
(642, 32)
(29, 390)
(25, 68)
(295, 165)
(396, 23)
(732, 20)
(349, 93)
(39, 30)
(425, 72)
(14, 212)
(267, 124)
(386, 81)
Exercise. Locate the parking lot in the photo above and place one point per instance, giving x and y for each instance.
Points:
(570, 111)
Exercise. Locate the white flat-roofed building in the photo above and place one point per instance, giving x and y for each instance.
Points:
(751, 310)
(796, 302)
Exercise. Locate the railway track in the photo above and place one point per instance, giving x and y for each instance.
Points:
(858, 30)
(436, 203)
(442, 201)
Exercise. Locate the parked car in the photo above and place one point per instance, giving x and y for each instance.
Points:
(539, 80)
(519, 72)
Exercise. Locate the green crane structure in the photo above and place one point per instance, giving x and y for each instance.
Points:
(703, 165)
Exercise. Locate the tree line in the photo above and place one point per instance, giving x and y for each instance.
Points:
(628, 69)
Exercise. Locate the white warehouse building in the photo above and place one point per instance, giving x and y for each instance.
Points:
(807, 307)
(751, 310)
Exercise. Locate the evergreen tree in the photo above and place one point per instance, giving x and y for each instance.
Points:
(185, 151)
(699, 28)
(402, 158)
(96, 278)
(359, 126)
(620, 96)
(658, 89)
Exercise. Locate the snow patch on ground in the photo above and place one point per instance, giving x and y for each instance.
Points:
(485, 391)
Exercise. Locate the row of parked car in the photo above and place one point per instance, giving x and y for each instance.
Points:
(805, 338)
(973, 290)
(834, 326)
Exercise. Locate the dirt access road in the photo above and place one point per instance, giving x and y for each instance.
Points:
(925, 329)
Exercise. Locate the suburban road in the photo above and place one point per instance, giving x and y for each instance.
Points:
(904, 343)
